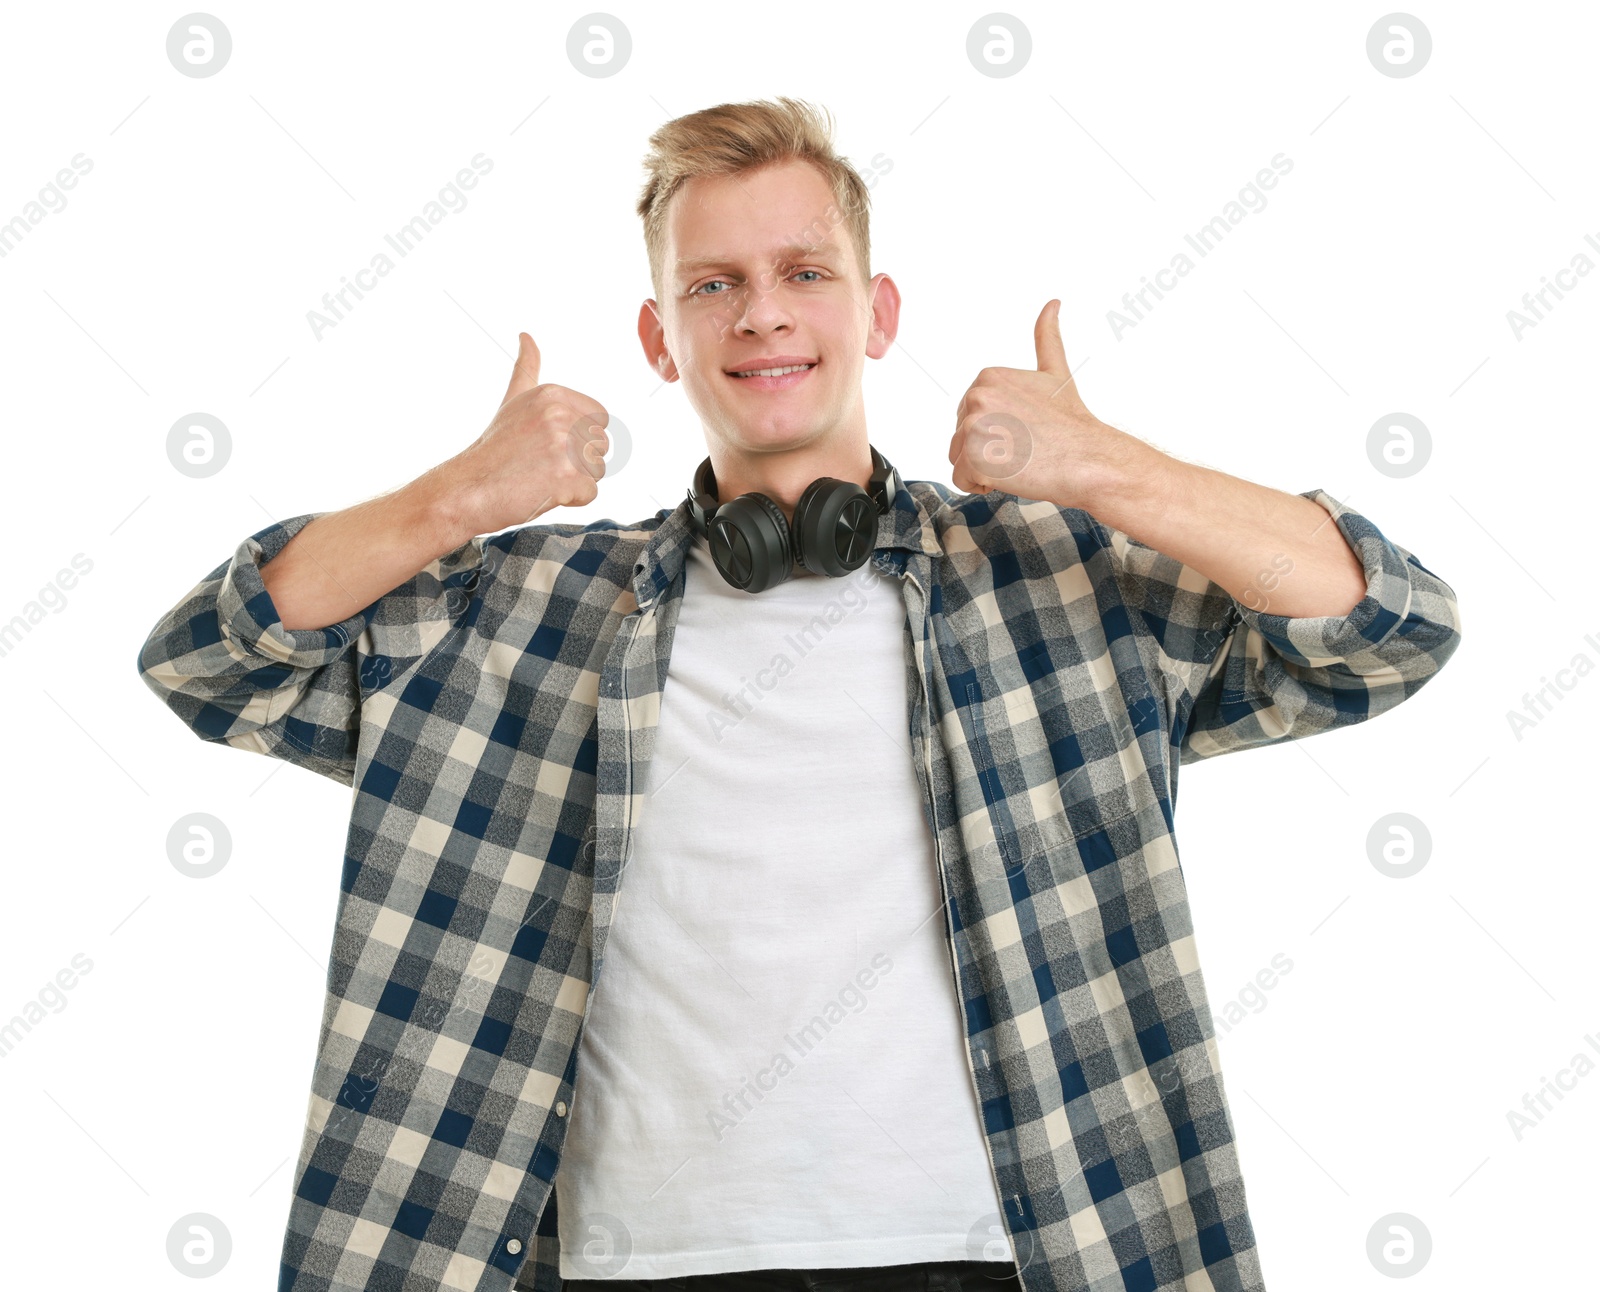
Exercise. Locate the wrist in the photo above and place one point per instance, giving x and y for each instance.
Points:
(1148, 494)
(1123, 472)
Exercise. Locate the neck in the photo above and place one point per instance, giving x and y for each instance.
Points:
(784, 475)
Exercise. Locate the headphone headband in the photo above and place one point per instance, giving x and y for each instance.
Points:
(703, 502)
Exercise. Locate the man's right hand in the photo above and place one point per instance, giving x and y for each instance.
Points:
(545, 448)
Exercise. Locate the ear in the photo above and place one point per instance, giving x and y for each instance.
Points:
(885, 303)
(653, 339)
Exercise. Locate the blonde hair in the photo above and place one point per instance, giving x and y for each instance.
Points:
(734, 138)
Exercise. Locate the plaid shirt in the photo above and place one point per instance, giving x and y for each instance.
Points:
(495, 716)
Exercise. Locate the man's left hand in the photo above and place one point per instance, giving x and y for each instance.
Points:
(1026, 432)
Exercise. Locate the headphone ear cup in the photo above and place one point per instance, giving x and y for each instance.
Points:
(835, 527)
(750, 543)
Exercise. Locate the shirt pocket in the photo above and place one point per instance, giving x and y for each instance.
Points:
(1056, 758)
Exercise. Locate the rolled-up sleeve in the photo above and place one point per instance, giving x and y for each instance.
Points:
(222, 660)
(1274, 677)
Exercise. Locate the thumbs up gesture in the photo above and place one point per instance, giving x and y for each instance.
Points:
(1026, 431)
(545, 448)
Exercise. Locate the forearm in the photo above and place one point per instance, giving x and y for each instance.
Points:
(344, 561)
(1272, 551)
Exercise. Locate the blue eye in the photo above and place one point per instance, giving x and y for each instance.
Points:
(701, 290)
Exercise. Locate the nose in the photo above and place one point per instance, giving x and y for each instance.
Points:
(757, 311)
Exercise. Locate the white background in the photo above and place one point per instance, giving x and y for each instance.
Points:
(1379, 1074)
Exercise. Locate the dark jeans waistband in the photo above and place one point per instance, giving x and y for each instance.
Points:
(922, 1276)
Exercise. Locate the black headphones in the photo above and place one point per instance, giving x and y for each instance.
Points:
(835, 527)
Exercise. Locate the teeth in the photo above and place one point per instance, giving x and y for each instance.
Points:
(775, 372)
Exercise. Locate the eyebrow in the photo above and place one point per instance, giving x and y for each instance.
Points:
(790, 251)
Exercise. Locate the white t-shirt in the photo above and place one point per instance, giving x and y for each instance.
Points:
(773, 1070)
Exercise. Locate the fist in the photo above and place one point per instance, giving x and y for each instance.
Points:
(1025, 431)
(545, 448)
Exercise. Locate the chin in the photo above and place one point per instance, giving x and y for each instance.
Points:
(770, 438)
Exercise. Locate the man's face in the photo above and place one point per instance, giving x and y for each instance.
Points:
(760, 267)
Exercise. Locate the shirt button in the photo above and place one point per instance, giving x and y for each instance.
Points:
(561, 1108)
(513, 1245)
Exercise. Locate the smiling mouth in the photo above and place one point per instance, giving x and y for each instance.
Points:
(785, 371)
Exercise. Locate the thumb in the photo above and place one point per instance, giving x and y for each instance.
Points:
(1047, 340)
(525, 375)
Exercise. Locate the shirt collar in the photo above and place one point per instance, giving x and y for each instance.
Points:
(907, 527)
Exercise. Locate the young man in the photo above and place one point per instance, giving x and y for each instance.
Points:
(904, 993)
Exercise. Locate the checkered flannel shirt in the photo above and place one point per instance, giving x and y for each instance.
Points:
(494, 717)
